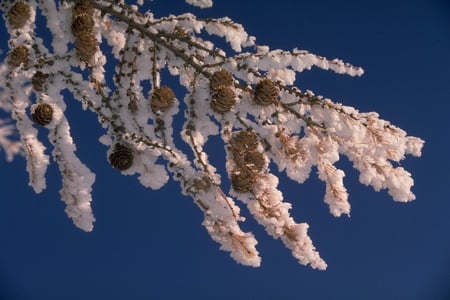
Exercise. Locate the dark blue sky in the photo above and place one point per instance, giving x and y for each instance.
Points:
(150, 244)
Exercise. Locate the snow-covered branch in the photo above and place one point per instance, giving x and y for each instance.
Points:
(244, 95)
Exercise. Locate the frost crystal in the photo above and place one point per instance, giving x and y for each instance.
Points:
(246, 98)
(200, 3)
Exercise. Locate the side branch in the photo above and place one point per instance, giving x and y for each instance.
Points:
(157, 38)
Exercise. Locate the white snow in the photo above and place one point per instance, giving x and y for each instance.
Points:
(200, 3)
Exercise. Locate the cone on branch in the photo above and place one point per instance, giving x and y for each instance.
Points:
(223, 99)
(162, 99)
(83, 7)
(83, 29)
(220, 78)
(18, 56)
(86, 45)
(222, 94)
(253, 160)
(42, 114)
(19, 14)
(244, 140)
(121, 158)
(266, 92)
(249, 162)
(242, 180)
(82, 23)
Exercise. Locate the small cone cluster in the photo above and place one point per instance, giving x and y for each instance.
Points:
(223, 97)
(249, 161)
(121, 158)
(42, 114)
(18, 15)
(83, 30)
(162, 99)
(266, 92)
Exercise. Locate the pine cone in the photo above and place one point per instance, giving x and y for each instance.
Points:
(121, 158)
(244, 140)
(42, 114)
(223, 99)
(86, 45)
(242, 180)
(38, 80)
(83, 7)
(252, 160)
(162, 99)
(81, 23)
(17, 56)
(266, 92)
(18, 15)
(220, 78)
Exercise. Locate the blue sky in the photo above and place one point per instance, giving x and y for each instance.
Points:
(150, 244)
